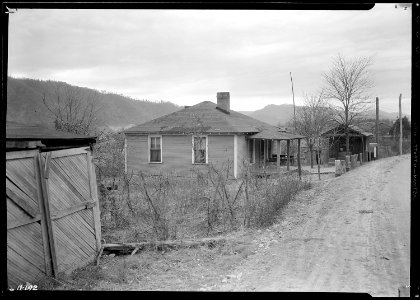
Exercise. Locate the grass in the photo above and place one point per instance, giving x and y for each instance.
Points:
(191, 269)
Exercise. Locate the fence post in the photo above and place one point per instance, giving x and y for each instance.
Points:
(338, 168)
(343, 166)
(347, 161)
(353, 159)
(361, 158)
(94, 195)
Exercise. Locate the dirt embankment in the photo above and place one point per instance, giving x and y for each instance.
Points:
(349, 234)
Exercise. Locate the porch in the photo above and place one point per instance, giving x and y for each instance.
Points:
(270, 152)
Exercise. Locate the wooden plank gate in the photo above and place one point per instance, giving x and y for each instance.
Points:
(53, 222)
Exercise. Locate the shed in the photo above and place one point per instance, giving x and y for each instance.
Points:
(53, 222)
(359, 140)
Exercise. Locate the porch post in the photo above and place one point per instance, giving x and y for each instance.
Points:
(298, 158)
(278, 154)
(288, 155)
(362, 149)
(328, 150)
(253, 151)
(264, 150)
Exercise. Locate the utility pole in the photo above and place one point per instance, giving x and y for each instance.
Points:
(400, 125)
(294, 121)
(377, 120)
(294, 108)
(377, 128)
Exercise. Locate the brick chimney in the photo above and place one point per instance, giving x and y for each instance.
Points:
(223, 101)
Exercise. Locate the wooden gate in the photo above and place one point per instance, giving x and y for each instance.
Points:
(71, 192)
(52, 213)
(28, 251)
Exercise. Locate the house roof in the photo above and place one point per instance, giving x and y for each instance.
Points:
(339, 130)
(205, 117)
(18, 131)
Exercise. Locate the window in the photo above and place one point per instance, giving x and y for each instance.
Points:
(199, 150)
(155, 149)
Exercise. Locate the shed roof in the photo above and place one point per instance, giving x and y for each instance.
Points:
(203, 117)
(22, 136)
(18, 131)
(340, 129)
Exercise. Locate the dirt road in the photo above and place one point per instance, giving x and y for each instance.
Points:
(348, 234)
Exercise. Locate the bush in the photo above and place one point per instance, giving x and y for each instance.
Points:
(164, 206)
(392, 147)
(268, 198)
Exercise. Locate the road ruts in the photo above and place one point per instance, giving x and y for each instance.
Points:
(349, 234)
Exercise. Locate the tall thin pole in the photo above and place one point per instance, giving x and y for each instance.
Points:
(294, 108)
(298, 159)
(377, 128)
(400, 125)
(377, 120)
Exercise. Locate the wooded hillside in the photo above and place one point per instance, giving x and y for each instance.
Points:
(24, 105)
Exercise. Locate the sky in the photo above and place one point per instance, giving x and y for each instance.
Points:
(187, 56)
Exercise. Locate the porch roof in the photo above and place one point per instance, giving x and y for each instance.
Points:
(273, 134)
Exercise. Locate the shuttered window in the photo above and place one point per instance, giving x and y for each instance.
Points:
(155, 144)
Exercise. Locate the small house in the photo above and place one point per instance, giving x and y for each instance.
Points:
(203, 134)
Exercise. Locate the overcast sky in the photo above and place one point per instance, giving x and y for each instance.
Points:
(187, 56)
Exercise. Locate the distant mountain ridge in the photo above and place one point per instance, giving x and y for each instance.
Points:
(281, 114)
(24, 105)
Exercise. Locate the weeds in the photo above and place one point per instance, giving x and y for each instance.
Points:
(162, 207)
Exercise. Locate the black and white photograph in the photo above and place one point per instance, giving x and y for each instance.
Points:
(209, 148)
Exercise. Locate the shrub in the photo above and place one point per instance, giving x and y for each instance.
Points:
(164, 206)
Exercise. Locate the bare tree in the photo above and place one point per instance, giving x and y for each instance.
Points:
(347, 86)
(109, 155)
(73, 109)
(312, 119)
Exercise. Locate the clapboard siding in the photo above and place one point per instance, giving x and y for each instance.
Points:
(242, 144)
(177, 153)
(136, 152)
(221, 149)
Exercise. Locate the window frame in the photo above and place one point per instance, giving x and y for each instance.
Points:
(207, 149)
(149, 148)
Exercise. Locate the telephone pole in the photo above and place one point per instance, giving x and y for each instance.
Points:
(377, 127)
(401, 131)
(294, 108)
